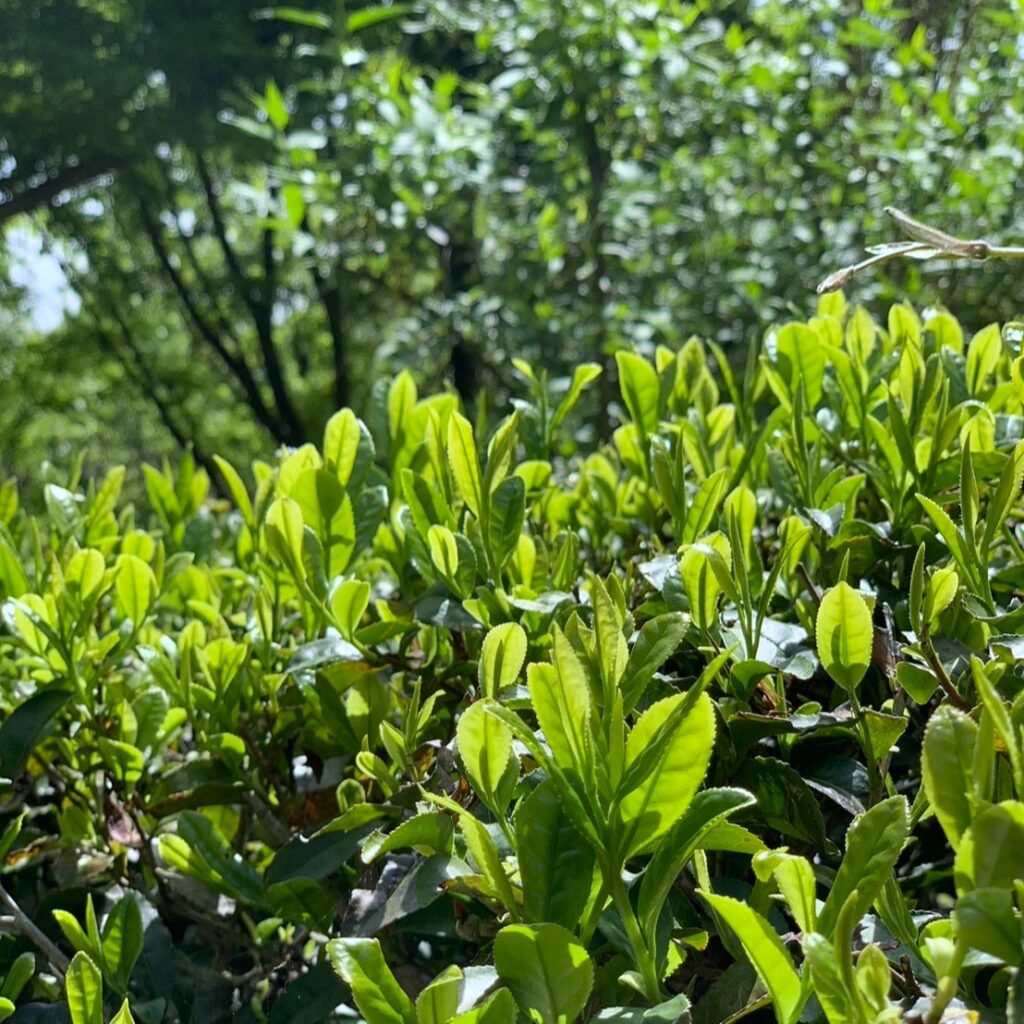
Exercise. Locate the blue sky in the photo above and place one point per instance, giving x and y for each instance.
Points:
(48, 296)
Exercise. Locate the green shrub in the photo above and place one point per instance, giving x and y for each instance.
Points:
(724, 715)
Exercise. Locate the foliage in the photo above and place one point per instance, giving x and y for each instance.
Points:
(265, 211)
(722, 715)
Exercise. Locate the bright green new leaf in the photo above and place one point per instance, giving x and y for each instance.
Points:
(657, 641)
(428, 833)
(378, 996)
(946, 769)
(135, 588)
(802, 360)
(342, 437)
(122, 942)
(641, 390)
(85, 572)
(348, 605)
(485, 746)
(562, 701)
(827, 980)
(845, 635)
(465, 463)
(499, 1008)
(989, 853)
(444, 551)
(795, 879)
(501, 658)
(768, 956)
(548, 972)
(83, 988)
(123, 1015)
(985, 919)
(982, 356)
(438, 1002)
(708, 809)
(582, 376)
(284, 529)
(873, 845)
(655, 805)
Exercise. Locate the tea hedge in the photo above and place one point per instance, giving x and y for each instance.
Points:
(430, 724)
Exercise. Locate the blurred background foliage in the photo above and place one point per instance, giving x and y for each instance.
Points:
(259, 214)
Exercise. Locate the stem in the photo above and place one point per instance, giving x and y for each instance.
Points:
(23, 924)
(940, 673)
(874, 778)
(1007, 252)
(899, 703)
(644, 959)
(593, 916)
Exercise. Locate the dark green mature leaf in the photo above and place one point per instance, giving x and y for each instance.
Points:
(505, 522)
(310, 998)
(784, 799)
(657, 640)
(28, 725)
(556, 865)
(316, 857)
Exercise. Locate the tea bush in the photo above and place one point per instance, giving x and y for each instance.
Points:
(721, 718)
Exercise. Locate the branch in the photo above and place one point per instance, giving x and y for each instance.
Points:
(258, 299)
(22, 923)
(330, 298)
(30, 199)
(201, 276)
(234, 362)
(927, 243)
(137, 367)
(242, 282)
(263, 316)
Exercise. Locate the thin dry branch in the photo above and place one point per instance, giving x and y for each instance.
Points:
(927, 243)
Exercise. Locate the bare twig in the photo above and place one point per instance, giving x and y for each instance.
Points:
(927, 243)
(23, 924)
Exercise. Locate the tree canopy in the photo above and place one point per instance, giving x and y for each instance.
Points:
(266, 210)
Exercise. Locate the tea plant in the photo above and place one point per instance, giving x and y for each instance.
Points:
(435, 723)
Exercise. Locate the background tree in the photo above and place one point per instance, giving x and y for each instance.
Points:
(265, 212)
